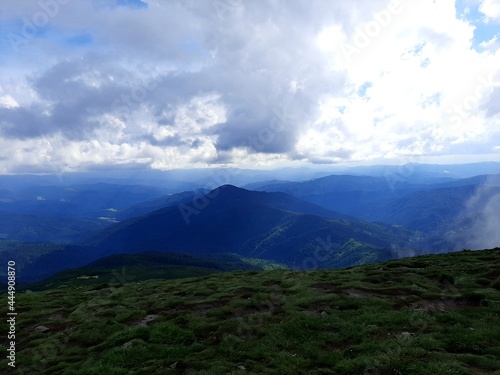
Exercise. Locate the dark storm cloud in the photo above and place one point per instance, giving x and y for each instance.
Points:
(70, 104)
(249, 59)
(23, 122)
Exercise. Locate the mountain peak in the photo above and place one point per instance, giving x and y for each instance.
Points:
(230, 187)
(230, 190)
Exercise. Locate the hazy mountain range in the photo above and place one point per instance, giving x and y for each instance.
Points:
(331, 221)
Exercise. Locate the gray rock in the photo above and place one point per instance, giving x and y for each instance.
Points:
(41, 329)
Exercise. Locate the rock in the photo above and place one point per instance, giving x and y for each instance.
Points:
(144, 322)
(41, 329)
(173, 365)
(128, 344)
(242, 368)
(406, 335)
(133, 342)
(324, 314)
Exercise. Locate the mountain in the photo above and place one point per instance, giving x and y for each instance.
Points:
(344, 193)
(426, 210)
(425, 173)
(85, 200)
(64, 213)
(478, 180)
(272, 226)
(47, 227)
(430, 207)
(146, 207)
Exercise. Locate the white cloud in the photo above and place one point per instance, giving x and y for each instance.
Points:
(426, 87)
(491, 9)
(8, 101)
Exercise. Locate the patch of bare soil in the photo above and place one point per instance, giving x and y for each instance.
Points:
(144, 322)
(398, 292)
(445, 304)
(353, 292)
(494, 274)
(266, 306)
(203, 306)
(272, 283)
(56, 317)
(326, 287)
(320, 306)
(363, 293)
(244, 293)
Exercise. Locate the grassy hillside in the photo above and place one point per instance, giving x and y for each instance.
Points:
(126, 268)
(431, 315)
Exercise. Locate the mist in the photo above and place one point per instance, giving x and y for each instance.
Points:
(478, 226)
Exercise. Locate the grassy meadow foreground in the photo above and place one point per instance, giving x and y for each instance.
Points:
(435, 314)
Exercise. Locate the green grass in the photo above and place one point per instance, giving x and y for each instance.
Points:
(431, 315)
(120, 269)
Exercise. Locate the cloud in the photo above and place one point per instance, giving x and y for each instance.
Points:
(478, 224)
(491, 9)
(188, 83)
(8, 102)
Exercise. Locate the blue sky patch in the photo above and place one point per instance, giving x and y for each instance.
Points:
(362, 90)
(134, 4)
(484, 31)
(80, 40)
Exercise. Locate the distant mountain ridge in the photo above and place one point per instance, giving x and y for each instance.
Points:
(85, 200)
(421, 206)
(332, 221)
(47, 227)
(272, 226)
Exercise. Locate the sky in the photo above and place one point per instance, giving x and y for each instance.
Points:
(168, 84)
